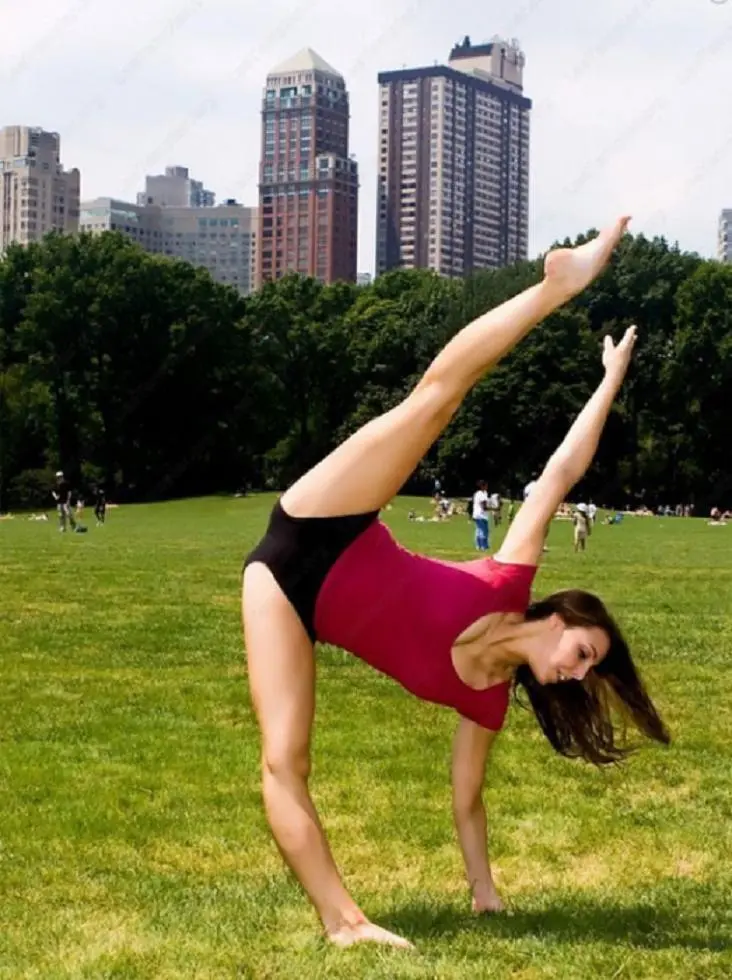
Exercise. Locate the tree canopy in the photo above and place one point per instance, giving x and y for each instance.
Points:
(143, 374)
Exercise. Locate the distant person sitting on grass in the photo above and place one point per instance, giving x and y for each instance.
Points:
(460, 634)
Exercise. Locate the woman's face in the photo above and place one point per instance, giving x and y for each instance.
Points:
(571, 653)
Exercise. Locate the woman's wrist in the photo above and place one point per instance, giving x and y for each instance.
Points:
(484, 879)
(613, 379)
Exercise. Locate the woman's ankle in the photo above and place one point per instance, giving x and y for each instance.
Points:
(336, 919)
(556, 293)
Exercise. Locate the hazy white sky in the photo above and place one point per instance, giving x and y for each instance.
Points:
(632, 98)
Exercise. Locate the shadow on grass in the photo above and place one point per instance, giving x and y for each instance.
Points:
(695, 918)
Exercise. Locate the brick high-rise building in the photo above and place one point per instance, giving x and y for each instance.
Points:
(36, 194)
(453, 191)
(308, 183)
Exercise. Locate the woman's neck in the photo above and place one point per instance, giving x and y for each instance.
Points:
(513, 642)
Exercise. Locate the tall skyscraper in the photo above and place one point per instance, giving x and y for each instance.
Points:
(36, 194)
(308, 184)
(453, 184)
(724, 243)
(176, 189)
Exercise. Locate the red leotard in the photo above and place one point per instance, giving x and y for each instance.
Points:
(401, 613)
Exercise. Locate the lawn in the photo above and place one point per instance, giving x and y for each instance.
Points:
(132, 840)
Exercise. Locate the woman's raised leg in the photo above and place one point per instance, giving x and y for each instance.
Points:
(369, 468)
(282, 680)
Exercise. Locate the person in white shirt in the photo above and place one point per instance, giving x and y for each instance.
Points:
(592, 513)
(481, 503)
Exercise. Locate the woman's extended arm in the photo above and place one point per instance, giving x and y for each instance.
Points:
(525, 538)
(470, 752)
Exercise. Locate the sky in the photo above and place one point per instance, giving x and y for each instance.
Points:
(632, 99)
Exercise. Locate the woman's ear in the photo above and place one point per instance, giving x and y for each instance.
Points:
(557, 623)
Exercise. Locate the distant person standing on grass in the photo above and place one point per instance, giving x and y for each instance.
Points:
(100, 505)
(581, 521)
(497, 508)
(459, 634)
(481, 503)
(62, 496)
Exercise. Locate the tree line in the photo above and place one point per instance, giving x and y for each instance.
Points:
(144, 375)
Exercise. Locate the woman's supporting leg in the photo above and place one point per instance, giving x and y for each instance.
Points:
(369, 468)
(282, 680)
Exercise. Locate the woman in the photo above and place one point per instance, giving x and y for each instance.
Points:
(581, 521)
(455, 633)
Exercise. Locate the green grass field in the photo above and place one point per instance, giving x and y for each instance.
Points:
(132, 840)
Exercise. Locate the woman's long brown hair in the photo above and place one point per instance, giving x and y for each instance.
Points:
(579, 718)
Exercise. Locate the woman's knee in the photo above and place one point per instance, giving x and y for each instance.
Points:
(433, 403)
(284, 764)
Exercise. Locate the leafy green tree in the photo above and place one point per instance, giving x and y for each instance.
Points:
(699, 379)
(143, 372)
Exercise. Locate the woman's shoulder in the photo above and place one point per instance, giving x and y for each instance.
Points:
(518, 567)
(514, 577)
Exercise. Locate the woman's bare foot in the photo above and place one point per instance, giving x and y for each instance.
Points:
(571, 269)
(367, 932)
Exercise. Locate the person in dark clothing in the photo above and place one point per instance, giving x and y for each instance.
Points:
(100, 505)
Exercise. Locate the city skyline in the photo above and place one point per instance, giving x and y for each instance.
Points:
(610, 88)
